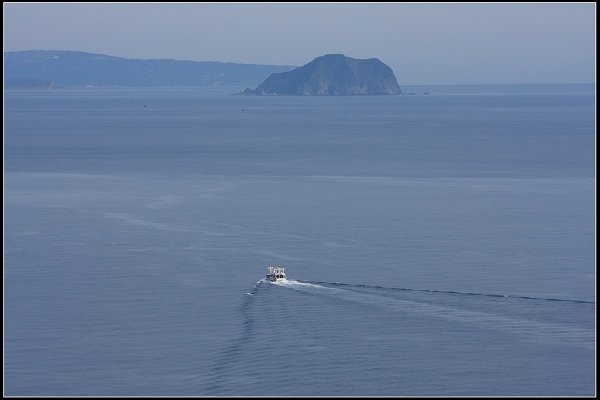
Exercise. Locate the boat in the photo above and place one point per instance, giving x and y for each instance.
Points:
(276, 273)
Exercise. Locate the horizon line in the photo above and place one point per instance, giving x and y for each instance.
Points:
(295, 66)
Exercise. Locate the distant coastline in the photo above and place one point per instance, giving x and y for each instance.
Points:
(53, 69)
(46, 69)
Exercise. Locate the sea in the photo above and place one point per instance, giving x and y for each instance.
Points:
(441, 243)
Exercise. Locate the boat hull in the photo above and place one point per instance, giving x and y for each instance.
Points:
(275, 279)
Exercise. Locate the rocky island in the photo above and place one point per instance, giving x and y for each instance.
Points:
(332, 75)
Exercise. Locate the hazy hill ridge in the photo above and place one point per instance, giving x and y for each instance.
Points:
(75, 68)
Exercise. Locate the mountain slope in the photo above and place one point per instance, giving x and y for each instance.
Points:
(74, 68)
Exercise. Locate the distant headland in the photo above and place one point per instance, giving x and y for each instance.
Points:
(46, 69)
(332, 75)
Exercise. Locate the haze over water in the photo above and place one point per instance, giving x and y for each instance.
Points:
(439, 244)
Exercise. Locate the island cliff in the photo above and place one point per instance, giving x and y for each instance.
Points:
(332, 75)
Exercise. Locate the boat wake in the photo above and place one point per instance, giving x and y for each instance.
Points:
(258, 282)
(348, 285)
(219, 379)
(542, 321)
(293, 284)
(525, 328)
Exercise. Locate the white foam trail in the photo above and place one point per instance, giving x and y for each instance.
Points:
(295, 284)
(536, 331)
(258, 282)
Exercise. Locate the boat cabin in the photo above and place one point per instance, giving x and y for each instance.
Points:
(276, 273)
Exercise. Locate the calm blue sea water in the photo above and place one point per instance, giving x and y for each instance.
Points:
(439, 244)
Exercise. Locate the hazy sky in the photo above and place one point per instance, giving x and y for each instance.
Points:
(424, 43)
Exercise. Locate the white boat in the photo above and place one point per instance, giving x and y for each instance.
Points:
(276, 273)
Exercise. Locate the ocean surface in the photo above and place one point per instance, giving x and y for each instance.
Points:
(436, 245)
